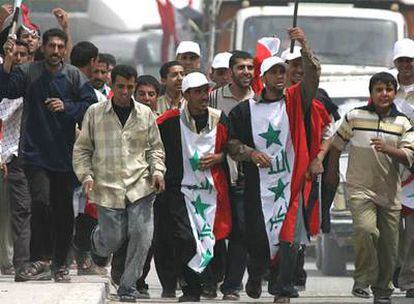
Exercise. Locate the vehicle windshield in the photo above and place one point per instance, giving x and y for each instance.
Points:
(343, 41)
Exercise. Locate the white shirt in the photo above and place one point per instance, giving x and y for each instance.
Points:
(11, 114)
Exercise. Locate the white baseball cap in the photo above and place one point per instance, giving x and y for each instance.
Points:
(195, 80)
(221, 60)
(270, 62)
(404, 48)
(188, 47)
(288, 56)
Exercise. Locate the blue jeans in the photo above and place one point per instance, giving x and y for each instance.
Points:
(135, 223)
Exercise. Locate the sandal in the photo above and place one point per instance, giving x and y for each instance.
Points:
(361, 292)
(34, 271)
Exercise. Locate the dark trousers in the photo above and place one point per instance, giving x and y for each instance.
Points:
(236, 259)
(184, 250)
(163, 246)
(214, 273)
(52, 213)
(84, 225)
(19, 197)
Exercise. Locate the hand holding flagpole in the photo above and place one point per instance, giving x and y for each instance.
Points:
(295, 22)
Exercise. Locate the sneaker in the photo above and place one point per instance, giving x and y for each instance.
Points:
(189, 298)
(33, 271)
(254, 288)
(61, 275)
(361, 292)
(233, 296)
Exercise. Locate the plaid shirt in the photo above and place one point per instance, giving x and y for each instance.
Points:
(120, 160)
(11, 115)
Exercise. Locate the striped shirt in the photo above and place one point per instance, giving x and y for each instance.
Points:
(120, 159)
(373, 175)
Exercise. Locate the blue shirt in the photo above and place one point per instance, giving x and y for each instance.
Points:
(47, 138)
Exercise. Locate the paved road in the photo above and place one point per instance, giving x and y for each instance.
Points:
(93, 290)
(320, 289)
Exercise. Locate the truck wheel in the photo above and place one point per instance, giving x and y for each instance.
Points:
(333, 262)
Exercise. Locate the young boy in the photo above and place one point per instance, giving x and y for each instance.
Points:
(380, 138)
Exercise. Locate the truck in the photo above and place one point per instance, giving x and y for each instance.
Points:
(353, 43)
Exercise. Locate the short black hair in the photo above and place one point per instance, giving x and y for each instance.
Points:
(165, 68)
(108, 59)
(54, 32)
(82, 53)
(383, 77)
(22, 43)
(125, 71)
(238, 55)
(149, 80)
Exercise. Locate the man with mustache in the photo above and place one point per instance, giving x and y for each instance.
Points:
(56, 96)
(225, 99)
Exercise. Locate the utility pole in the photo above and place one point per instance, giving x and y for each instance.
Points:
(210, 16)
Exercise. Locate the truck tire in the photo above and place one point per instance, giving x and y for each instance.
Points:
(332, 260)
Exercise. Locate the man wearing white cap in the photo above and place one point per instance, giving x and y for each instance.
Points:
(404, 100)
(220, 71)
(269, 136)
(188, 54)
(196, 193)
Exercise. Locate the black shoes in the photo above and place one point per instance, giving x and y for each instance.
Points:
(254, 288)
(188, 298)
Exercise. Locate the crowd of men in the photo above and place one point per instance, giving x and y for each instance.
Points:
(210, 175)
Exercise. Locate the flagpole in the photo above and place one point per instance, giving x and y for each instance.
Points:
(17, 4)
(295, 22)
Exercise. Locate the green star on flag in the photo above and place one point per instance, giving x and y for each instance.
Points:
(195, 161)
(205, 258)
(271, 136)
(200, 207)
(279, 190)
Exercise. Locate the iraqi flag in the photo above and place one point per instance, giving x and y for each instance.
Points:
(265, 47)
(272, 195)
(23, 20)
(198, 199)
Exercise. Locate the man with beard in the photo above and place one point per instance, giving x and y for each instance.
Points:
(225, 99)
(188, 55)
(56, 96)
(171, 74)
(269, 136)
